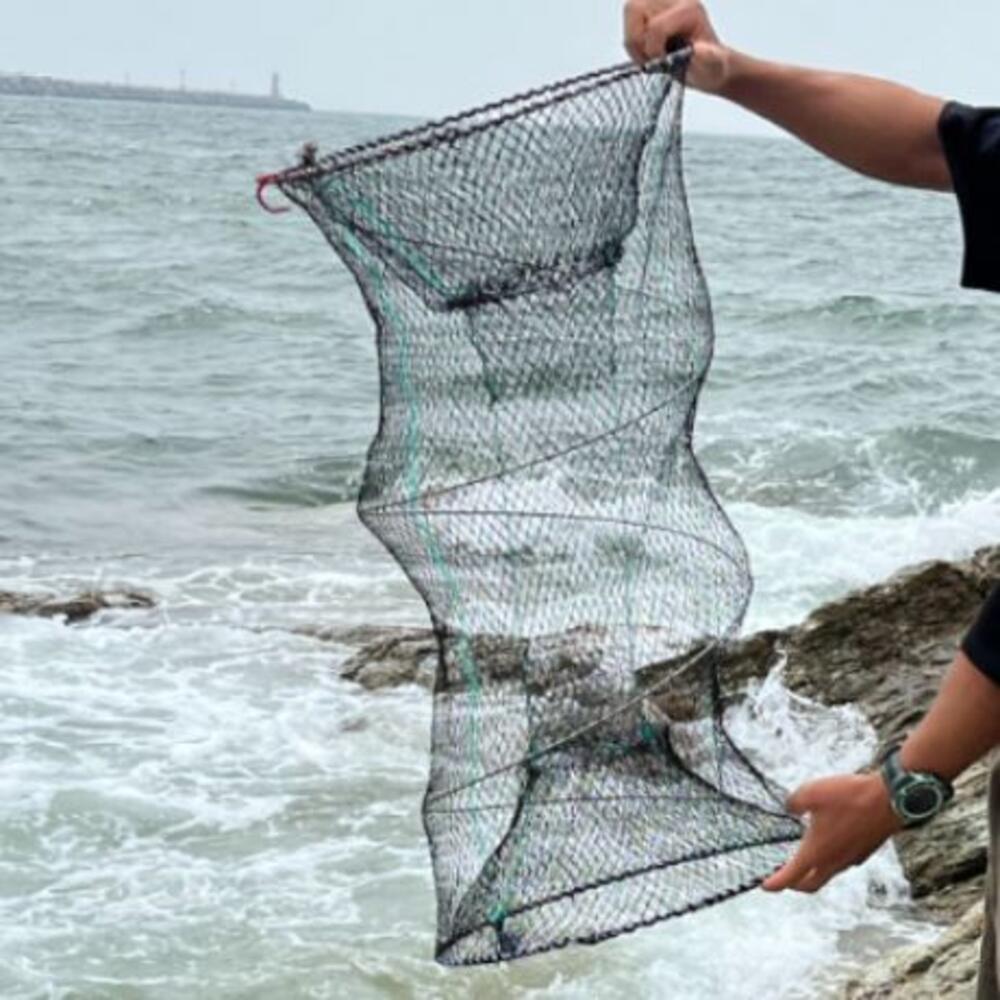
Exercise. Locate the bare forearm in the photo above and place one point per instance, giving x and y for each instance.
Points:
(962, 725)
(879, 128)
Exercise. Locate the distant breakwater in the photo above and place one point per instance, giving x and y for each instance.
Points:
(46, 86)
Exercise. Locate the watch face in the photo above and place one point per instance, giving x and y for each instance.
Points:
(921, 799)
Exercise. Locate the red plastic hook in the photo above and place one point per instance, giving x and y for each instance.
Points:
(264, 181)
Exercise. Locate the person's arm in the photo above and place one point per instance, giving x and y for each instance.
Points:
(881, 129)
(898, 135)
(878, 128)
(850, 815)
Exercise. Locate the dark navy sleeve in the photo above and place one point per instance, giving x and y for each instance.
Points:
(982, 642)
(970, 138)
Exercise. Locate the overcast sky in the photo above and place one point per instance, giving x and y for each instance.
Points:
(431, 57)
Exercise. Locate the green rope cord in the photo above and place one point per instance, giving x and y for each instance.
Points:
(428, 537)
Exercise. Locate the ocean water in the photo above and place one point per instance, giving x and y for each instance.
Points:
(191, 803)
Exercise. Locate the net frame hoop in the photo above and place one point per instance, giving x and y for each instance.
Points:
(451, 129)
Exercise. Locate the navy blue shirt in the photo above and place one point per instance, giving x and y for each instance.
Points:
(970, 138)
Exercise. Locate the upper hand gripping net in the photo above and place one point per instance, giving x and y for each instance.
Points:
(543, 331)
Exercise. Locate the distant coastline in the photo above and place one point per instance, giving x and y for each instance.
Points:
(22, 85)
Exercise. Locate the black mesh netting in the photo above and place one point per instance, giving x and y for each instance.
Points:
(543, 332)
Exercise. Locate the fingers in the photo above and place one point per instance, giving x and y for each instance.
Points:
(635, 30)
(817, 878)
(651, 24)
(800, 801)
(845, 826)
(806, 798)
(813, 881)
(791, 873)
(682, 21)
(803, 874)
(799, 875)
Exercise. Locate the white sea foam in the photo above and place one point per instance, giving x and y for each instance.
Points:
(199, 795)
(801, 560)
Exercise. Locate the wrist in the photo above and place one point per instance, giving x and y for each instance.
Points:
(771, 89)
(736, 73)
(914, 756)
(875, 799)
(709, 67)
(916, 794)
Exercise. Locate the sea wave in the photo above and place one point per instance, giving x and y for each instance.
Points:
(896, 472)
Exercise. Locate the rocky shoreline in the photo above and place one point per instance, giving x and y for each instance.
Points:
(883, 649)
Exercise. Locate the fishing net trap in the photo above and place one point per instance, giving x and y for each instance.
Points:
(543, 331)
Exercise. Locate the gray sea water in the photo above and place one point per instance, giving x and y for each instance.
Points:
(191, 803)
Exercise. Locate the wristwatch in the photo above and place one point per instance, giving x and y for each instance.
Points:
(916, 796)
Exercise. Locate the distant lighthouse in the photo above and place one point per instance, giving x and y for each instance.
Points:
(276, 86)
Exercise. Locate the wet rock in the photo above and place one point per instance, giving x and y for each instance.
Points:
(952, 850)
(356, 635)
(385, 656)
(73, 609)
(404, 656)
(944, 969)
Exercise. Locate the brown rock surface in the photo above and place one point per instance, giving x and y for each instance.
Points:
(73, 609)
(943, 969)
(385, 656)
